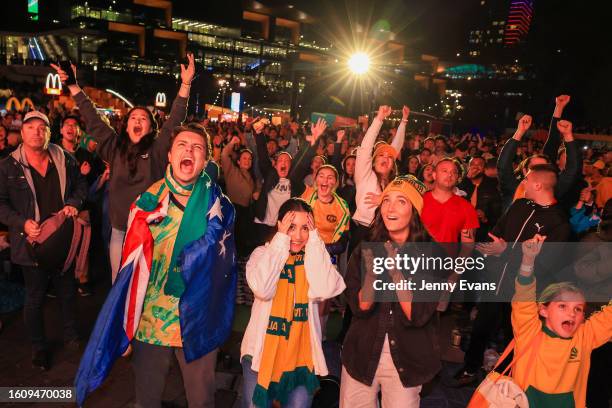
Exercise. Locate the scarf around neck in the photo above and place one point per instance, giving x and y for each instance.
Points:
(287, 358)
(193, 224)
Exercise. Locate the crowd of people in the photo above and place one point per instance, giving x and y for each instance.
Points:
(176, 200)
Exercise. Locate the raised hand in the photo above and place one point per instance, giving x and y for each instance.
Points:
(532, 247)
(405, 113)
(317, 130)
(74, 89)
(188, 72)
(524, 123)
(383, 112)
(235, 140)
(562, 100)
(340, 134)
(283, 226)
(565, 127)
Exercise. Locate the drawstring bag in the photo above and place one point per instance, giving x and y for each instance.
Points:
(501, 391)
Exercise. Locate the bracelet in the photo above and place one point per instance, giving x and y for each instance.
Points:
(404, 120)
(188, 84)
(526, 268)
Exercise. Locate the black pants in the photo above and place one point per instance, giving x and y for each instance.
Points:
(359, 233)
(243, 229)
(36, 282)
(151, 364)
(598, 388)
(490, 318)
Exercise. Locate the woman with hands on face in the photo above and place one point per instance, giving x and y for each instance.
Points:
(281, 352)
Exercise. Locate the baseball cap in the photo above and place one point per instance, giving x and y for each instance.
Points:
(36, 115)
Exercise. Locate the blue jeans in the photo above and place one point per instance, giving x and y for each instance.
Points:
(299, 398)
(115, 248)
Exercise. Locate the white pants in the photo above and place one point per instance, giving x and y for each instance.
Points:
(354, 394)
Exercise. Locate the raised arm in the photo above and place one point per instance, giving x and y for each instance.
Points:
(102, 132)
(553, 141)
(263, 158)
(227, 164)
(363, 163)
(178, 113)
(301, 164)
(573, 162)
(400, 135)
(507, 182)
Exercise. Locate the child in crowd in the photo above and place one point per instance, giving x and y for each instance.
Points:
(562, 358)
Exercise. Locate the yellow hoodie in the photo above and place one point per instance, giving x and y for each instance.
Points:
(561, 368)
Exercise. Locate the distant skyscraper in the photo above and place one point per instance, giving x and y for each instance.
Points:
(499, 24)
(519, 21)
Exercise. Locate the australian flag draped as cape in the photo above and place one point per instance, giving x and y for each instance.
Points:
(206, 307)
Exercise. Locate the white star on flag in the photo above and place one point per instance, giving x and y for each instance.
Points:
(215, 210)
(226, 235)
(208, 184)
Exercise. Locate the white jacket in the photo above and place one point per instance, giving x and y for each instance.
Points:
(263, 273)
(365, 178)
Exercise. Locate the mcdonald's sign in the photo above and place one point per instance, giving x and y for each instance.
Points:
(160, 100)
(13, 102)
(53, 86)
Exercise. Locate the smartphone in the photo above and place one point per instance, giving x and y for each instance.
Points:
(66, 66)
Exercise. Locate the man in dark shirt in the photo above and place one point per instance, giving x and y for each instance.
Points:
(38, 180)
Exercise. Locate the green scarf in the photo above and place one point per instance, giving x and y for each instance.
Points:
(193, 224)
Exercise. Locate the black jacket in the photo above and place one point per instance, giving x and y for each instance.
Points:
(17, 203)
(414, 343)
(489, 201)
(508, 182)
(521, 222)
(151, 166)
(300, 166)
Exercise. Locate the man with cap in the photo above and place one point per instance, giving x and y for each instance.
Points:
(37, 180)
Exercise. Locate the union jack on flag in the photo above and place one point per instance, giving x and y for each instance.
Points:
(206, 307)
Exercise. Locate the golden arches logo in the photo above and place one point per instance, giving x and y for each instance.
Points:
(53, 86)
(160, 100)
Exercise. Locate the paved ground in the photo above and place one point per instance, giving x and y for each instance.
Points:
(117, 390)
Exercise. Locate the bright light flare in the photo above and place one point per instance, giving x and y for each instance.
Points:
(359, 63)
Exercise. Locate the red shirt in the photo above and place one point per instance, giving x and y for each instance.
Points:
(444, 221)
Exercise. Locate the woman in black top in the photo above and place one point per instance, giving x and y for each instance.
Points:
(138, 155)
(390, 346)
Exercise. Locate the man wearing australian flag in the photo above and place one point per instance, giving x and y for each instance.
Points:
(174, 295)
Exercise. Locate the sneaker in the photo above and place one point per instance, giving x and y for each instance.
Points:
(40, 360)
(84, 290)
(464, 378)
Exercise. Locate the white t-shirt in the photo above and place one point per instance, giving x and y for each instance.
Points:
(276, 197)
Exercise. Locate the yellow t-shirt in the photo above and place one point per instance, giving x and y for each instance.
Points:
(560, 371)
(332, 219)
(159, 322)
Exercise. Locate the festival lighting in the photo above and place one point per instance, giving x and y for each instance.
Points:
(359, 63)
(123, 98)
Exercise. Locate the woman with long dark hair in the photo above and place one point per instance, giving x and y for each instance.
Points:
(390, 347)
(138, 155)
(281, 352)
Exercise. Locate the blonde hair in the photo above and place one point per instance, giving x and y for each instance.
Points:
(553, 291)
